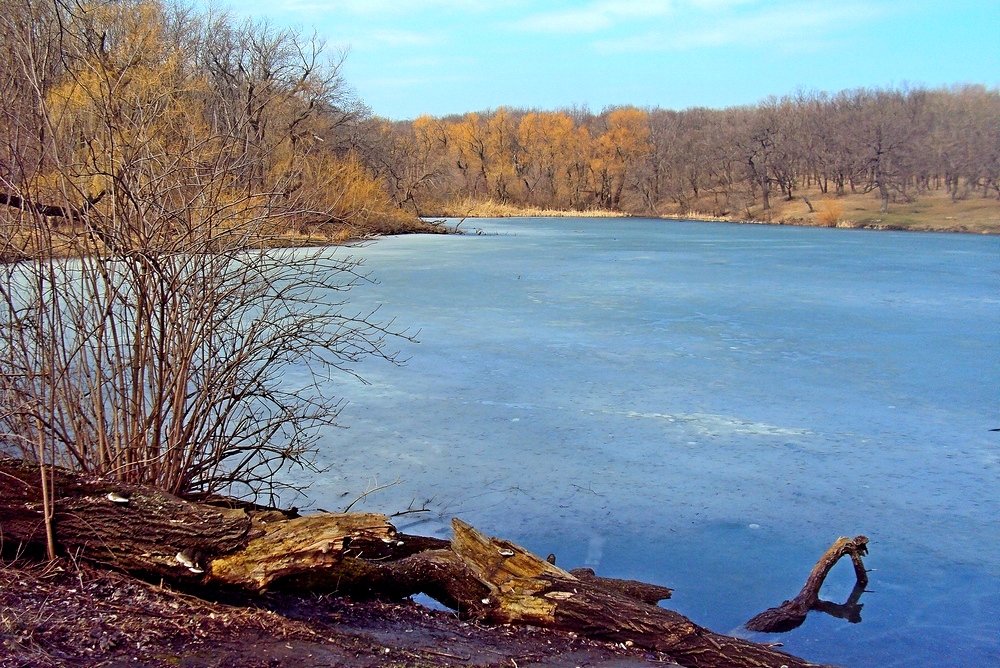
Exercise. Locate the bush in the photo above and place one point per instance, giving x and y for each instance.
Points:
(829, 211)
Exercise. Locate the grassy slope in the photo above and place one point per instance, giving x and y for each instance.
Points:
(930, 212)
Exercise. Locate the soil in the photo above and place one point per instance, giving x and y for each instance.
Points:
(67, 614)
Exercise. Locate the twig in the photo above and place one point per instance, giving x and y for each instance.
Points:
(368, 492)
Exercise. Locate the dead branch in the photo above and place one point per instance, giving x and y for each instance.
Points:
(790, 614)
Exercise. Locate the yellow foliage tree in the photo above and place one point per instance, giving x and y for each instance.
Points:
(551, 148)
(501, 147)
(467, 143)
(617, 152)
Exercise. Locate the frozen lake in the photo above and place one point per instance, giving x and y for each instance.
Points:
(705, 406)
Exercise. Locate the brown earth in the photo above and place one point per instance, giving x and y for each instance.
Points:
(77, 615)
(928, 212)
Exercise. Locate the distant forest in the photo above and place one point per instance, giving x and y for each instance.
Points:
(143, 119)
(896, 144)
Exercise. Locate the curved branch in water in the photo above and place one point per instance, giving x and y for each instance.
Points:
(792, 613)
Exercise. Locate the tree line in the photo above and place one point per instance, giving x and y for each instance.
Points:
(266, 112)
(112, 106)
(896, 144)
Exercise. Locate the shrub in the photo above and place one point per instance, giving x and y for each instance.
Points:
(829, 211)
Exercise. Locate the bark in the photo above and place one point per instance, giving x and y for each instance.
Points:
(640, 591)
(526, 589)
(140, 532)
(790, 614)
(151, 533)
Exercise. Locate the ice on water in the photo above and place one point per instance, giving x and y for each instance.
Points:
(704, 406)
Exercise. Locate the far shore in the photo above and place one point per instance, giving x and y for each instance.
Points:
(930, 213)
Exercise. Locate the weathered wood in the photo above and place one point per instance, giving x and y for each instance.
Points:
(147, 532)
(526, 589)
(142, 531)
(283, 548)
(791, 613)
(640, 591)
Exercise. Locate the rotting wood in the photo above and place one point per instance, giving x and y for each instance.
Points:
(791, 613)
(150, 533)
(526, 589)
(640, 591)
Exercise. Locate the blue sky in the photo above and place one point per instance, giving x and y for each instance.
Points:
(413, 57)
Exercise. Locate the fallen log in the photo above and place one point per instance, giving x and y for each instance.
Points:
(791, 613)
(526, 589)
(640, 591)
(150, 533)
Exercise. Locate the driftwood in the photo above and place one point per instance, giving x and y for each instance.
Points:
(790, 614)
(153, 534)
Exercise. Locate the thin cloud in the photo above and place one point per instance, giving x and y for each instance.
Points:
(595, 17)
(367, 9)
(401, 38)
(389, 7)
(787, 27)
(717, 5)
(416, 81)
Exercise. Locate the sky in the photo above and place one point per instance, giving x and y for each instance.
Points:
(406, 58)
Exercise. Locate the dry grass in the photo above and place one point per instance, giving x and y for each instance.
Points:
(69, 240)
(472, 208)
(829, 212)
(930, 212)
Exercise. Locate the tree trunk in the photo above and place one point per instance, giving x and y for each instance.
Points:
(151, 533)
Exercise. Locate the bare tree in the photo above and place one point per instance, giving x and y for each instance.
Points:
(150, 331)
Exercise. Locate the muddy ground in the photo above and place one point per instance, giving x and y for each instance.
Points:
(70, 614)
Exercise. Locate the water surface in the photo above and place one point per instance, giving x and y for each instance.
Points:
(705, 406)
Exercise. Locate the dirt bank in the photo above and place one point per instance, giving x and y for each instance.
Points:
(77, 615)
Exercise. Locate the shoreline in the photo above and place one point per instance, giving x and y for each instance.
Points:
(782, 222)
(73, 614)
(842, 225)
(931, 212)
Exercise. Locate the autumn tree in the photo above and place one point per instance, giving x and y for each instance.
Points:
(553, 159)
(618, 153)
(896, 144)
(503, 164)
(467, 142)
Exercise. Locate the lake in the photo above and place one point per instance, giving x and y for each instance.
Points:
(705, 406)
